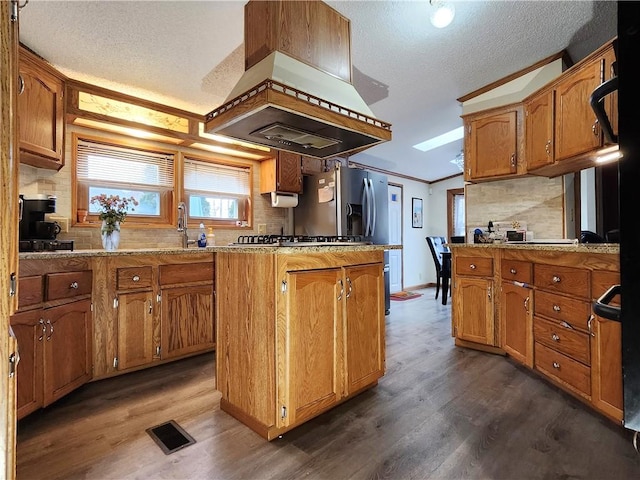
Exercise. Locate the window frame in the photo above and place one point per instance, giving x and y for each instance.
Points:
(80, 189)
(245, 210)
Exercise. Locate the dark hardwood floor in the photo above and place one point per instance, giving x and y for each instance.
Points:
(439, 412)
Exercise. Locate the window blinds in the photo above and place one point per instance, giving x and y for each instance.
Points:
(216, 178)
(97, 162)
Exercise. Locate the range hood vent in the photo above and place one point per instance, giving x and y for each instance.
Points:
(296, 97)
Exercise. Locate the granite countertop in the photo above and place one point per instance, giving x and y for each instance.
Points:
(196, 250)
(560, 247)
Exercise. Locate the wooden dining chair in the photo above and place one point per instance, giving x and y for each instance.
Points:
(442, 264)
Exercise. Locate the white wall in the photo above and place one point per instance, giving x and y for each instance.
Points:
(417, 264)
(588, 200)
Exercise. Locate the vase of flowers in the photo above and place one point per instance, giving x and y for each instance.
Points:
(114, 210)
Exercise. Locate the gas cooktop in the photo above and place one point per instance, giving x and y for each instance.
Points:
(39, 245)
(298, 240)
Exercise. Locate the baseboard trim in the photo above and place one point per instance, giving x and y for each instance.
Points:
(420, 287)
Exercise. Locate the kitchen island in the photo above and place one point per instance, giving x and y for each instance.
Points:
(533, 302)
(296, 330)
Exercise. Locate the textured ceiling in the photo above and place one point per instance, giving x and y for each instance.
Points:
(189, 54)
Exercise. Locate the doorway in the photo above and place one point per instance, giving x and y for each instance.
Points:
(395, 237)
(455, 213)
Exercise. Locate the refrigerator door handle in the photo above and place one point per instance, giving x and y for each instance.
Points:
(373, 207)
(365, 207)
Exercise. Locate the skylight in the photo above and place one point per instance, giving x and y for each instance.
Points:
(440, 140)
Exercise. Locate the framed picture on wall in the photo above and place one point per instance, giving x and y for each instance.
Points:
(416, 212)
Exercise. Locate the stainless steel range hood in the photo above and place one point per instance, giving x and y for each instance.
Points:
(288, 104)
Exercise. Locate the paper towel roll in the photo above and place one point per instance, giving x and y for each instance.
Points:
(284, 200)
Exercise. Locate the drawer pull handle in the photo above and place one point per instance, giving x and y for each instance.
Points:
(136, 278)
(556, 308)
(556, 279)
(513, 271)
(566, 325)
(555, 337)
(556, 365)
(472, 266)
(74, 285)
(526, 304)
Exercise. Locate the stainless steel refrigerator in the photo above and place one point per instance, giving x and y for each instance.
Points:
(346, 201)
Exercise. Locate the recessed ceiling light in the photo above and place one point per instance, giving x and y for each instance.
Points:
(440, 140)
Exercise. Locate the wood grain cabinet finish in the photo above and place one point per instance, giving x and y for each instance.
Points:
(516, 326)
(40, 113)
(539, 130)
(282, 173)
(163, 310)
(285, 358)
(561, 279)
(571, 373)
(54, 331)
(606, 353)
(492, 144)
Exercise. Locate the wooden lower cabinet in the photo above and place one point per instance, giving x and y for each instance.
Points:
(307, 335)
(186, 320)
(67, 349)
(473, 307)
(606, 367)
(517, 318)
(28, 328)
(135, 330)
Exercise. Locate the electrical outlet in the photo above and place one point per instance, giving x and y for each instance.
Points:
(262, 228)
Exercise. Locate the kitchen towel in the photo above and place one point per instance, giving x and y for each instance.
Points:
(284, 200)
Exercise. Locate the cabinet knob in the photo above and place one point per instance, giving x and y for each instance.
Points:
(595, 129)
(513, 271)
(547, 147)
(555, 337)
(555, 279)
(556, 365)
(556, 308)
(472, 266)
(74, 285)
(136, 278)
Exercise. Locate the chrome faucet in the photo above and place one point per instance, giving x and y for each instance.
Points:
(182, 225)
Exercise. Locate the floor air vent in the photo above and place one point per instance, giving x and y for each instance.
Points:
(170, 437)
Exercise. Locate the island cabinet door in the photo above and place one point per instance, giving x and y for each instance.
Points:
(313, 344)
(364, 325)
(186, 320)
(473, 310)
(517, 323)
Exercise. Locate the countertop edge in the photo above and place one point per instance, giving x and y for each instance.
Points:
(555, 247)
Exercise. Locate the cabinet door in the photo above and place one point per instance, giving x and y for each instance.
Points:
(473, 310)
(315, 347)
(364, 323)
(28, 328)
(539, 130)
(289, 172)
(606, 367)
(493, 146)
(576, 128)
(186, 320)
(517, 315)
(40, 117)
(135, 329)
(67, 349)
(611, 105)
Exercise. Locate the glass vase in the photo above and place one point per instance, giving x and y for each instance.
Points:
(110, 236)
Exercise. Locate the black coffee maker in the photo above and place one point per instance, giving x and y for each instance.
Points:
(32, 223)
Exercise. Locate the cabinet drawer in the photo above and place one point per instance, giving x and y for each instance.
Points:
(186, 272)
(573, 281)
(68, 284)
(134, 277)
(557, 365)
(517, 271)
(600, 283)
(29, 291)
(477, 266)
(563, 309)
(570, 342)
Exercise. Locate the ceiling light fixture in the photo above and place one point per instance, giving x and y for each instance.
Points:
(442, 13)
(459, 161)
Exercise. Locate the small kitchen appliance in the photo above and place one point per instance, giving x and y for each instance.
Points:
(37, 234)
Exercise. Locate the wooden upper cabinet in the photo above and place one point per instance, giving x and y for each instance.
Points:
(492, 145)
(577, 130)
(283, 173)
(311, 32)
(539, 116)
(40, 113)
